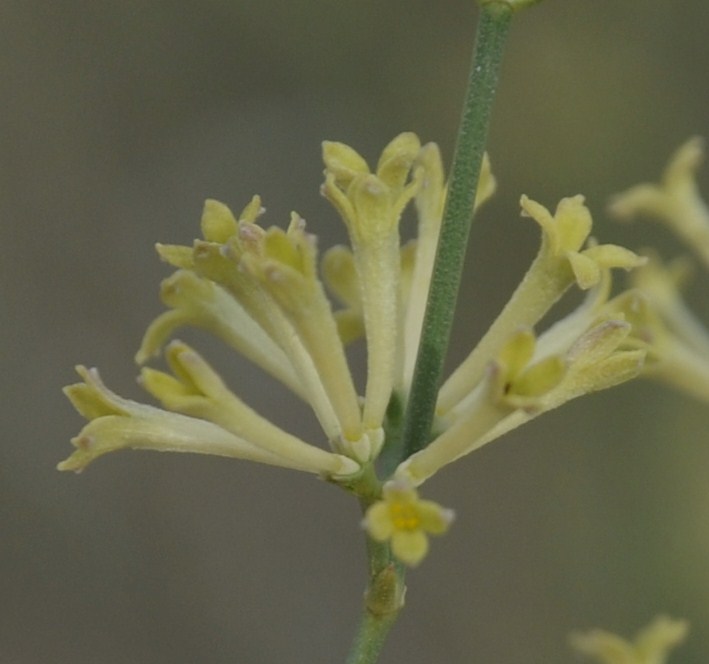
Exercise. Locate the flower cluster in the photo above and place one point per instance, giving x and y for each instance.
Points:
(257, 288)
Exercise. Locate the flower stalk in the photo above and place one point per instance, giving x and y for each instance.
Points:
(493, 27)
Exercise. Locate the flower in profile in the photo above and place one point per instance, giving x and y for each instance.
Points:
(404, 519)
(560, 263)
(651, 645)
(116, 423)
(524, 383)
(371, 204)
(514, 380)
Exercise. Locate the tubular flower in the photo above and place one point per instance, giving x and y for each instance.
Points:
(116, 423)
(513, 381)
(597, 360)
(404, 519)
(520, 386)
(340, 277)
(371, 205)
(675, 202)
(284, 266)
(561, 261)
(199, 302)
(258, 268)
(652, 644)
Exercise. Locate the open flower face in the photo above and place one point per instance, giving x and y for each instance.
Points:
(406, 520)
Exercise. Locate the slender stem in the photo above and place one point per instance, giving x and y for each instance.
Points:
(385, 592)
(493, 27)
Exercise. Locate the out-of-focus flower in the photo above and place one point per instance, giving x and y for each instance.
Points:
(652, 644)
(670, 357)
(675, 202)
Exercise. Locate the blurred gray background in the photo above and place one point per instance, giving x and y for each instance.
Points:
(118, 119)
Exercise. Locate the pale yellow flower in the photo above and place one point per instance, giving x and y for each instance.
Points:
(561, 262)
(199, 302)
(283, 263)
(371, 204)
(597, 359)
(116, 423)
(564, 235)
(258, 269)
(514, 380)
(258, 289)
(402, 518)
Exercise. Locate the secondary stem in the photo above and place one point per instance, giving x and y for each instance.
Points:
(493, 27)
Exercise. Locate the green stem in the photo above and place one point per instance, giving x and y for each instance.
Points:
(383, 601)
(393, 442)
(370, 639)
(385, 593)
(493, 27)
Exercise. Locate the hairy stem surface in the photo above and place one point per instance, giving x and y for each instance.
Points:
(492, 32)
